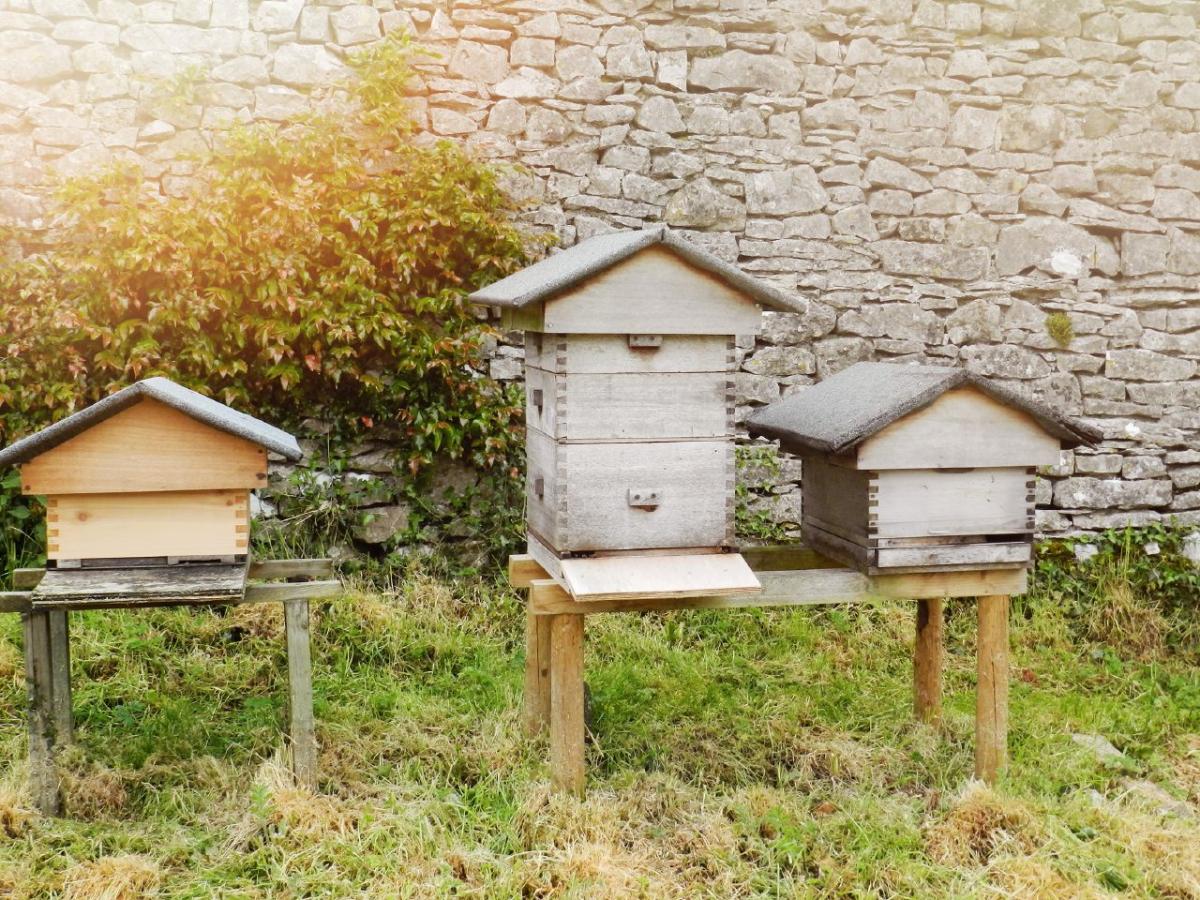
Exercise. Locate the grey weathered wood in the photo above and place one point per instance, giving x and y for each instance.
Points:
(303, 729)
(928, 654)
(266, 569)
(991, 698)
(43, 772)
(567, 729)
(27, 579)
(14, 601)
(132, 587)
(836, 499)
(919, 502)
(283, 591)
(537, 673)
(600, 353)
(60, 675)
(979, 555)
(784, 558)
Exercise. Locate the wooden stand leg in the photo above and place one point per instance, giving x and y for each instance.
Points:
(927, 663)
(43, 774)
(303, 730)
(991, 701)
(60, 676)
(537, 673)
(566, 704)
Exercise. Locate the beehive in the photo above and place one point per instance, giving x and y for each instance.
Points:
(630, 357)
(154, 473)
(918, 468)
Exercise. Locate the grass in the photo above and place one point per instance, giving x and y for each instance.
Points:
(734, 754)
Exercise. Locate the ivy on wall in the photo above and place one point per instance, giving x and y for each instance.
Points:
(318, 269)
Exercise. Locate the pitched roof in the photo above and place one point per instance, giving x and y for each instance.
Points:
(167, 392)
(844, 410)
(554, 274)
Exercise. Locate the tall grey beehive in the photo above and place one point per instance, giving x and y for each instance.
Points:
(629, 384)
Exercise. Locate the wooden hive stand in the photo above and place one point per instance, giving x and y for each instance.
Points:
(45, 617)
(790, 576)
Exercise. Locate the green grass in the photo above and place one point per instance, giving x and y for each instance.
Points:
(735, 754)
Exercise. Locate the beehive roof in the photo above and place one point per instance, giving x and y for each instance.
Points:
(561, 271)
(167, 392)
(844, 410)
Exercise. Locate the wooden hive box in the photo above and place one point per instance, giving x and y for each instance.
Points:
(918, 468)
(152, 474)
(630, 359)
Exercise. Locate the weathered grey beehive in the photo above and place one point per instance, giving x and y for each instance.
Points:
(154, 472)
(630, 402)
(918, 468)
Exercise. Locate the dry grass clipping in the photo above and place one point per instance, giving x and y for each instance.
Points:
(95, 793)
(14, 814)
(1032, 876)
(294, 815)
(126, 877)
(981, 826)
(12, 665)
(1121, 619)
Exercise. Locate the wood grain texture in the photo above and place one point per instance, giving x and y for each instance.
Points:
(991, 698)
(658, 577)
(536, 711)
(43, 771)
(963, 428)
(970, 583)
(149, 586)
(545, 493)
(928, 653)
(60, 675)
(265, 569)
(302, 729)
(611, 353)
(147, 447)
(523, 569)
(653, 292)
(174, 523)
(981, 555)
(920, 502)
(566, 705)
(836, 499)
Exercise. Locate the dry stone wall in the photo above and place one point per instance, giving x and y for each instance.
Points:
(1010, 185)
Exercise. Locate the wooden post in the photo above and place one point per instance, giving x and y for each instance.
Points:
(927, 662)
(60, 676)
(991, 700)
(537, 673)
(303, 729)
(43, 774)
(566, 704)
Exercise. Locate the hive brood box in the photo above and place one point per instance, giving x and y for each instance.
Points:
(918, 468)
(630, 358)
(154, 473)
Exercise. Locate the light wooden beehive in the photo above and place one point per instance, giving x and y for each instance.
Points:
(918, 468)
(155, 472)
(629, 390)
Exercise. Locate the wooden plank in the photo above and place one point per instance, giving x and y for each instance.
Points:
(523, 569)
(267, 569)
(545, 503)
(658, 577)
(991, 699)
(981, 555)
(14, 601)
(692, 477)
(928, 654)
(566, 704)
(149, 586)
(808, 587)
(630, 407)
(544, 557)
(60, 676)
(43, 771)
(302, 731)
(835, 547)
(536, 713)
(961, 429)
(784, 557)
(599, 353)
(27, 579)
(147, 447)
(173, 523)
(283, 591)
(931, 502)
(950, 584)
(836, 499)
(653, 292)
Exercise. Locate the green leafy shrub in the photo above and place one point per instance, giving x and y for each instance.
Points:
(317, 270)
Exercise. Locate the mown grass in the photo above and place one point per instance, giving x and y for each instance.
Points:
(738, 754)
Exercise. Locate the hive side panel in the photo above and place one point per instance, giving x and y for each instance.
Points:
(836, 499)
(689, 476)
(147, 447)
(544, 500)
(935, 502)
(599, 353)
(647, 406)
(654, 292)
(963, 428)
(104, 526)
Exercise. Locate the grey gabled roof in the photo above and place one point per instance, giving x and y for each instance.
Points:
(554, 274)
(847, 408)
(167, 392)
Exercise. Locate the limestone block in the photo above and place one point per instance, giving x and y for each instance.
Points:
(528, 84)
(1147, 365)
(485, 63)
(305, 65)
(788, 192)
(531, 51)
(889, 173)
(932, 260)
(356, 24)
(660, 114)
(974, 128)
(739, 70)
(1111, 493)
(27, 58)
(1005, 361)
(699, 204)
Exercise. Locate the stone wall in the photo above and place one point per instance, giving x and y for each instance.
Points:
(951, 182)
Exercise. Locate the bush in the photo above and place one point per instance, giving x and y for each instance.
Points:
(319, 270)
